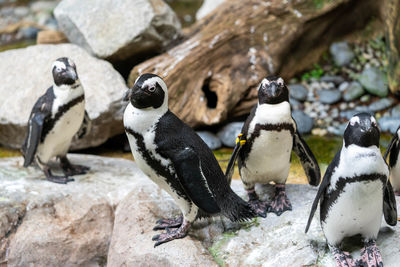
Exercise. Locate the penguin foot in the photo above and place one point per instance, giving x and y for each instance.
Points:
(370, 255)
(69, 169)
(56, 179)
(75, 170)
(342, 258)
(260, 207)
(59, 179)
(281, 202)
(170, 235)
(168, 223)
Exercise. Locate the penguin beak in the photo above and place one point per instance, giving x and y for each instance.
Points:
(127, 95)
(72, 73)
(273, 90)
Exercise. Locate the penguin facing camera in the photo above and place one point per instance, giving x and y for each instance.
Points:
(394, 162)
(264, 147)
(355, 192)
(177, 160)
(55, 119)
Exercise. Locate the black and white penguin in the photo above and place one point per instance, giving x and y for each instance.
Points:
(264, 148)
(56, 117)
(394, 162)
(355, 192)
(176, 159)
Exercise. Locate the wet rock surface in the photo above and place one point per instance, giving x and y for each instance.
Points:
(104, 89)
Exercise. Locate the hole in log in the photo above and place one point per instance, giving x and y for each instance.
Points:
(212, 98)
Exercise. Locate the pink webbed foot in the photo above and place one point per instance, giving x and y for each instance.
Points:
(280, 202)
(342, 258)
(370, 255)
(170, 235)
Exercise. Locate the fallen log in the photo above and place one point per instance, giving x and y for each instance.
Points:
(213, 74)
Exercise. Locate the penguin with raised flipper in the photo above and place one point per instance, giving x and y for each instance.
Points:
(176, 159)
(355, 192)
(264, 148)
(56, 118)
(393, 151)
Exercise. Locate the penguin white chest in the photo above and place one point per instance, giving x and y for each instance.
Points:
(358, 210)
(58, 139)
(269, 158)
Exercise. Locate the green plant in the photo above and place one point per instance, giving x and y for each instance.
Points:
(315, 73)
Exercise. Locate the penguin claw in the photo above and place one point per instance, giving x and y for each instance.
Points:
(370, 255)
(75, 170)
(170, 235)
(168, 223)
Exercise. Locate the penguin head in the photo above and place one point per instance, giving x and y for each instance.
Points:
(272, 90)
(362, 130)
(64, 72)
(149, 91)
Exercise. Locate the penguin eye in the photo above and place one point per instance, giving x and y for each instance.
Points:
(152, 89)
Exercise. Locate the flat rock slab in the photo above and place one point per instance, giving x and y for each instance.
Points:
(48, 224)
(274, 241)
(26, 75)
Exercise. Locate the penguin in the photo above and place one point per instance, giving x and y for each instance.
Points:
(174, 157)
(55, 119)
(394, 163)
(355, 192)
(263, 149)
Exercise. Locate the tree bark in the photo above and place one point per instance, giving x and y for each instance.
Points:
(214, 73)
(391, 17)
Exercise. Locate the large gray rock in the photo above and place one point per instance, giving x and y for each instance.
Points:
(304, 122)
(48, 224)
(229, 132)
(210, 139)
(374, 81)
(341, 53)
(118, 29)
(353, 91)
(26, 75)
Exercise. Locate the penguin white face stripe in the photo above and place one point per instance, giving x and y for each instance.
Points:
(354, 120)
(280, 81)
(264, 82)
(59, 65)
(152, 82)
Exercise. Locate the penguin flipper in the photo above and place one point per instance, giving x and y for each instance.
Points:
(240, 141)
(307, 159)
(33, 138)
(85, 127)
(187, 166)
(231, 165)
(389, 205)
(322, 187)
(391, 148)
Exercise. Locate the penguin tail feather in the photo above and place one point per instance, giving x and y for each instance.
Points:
(235, 208)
